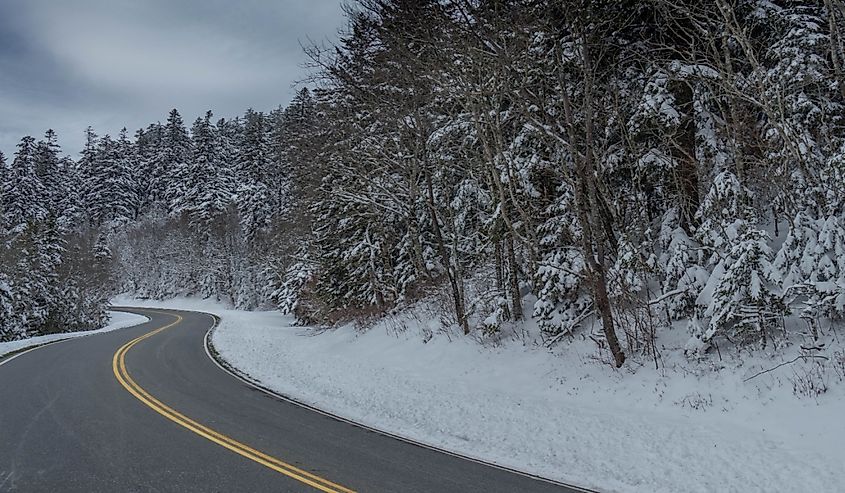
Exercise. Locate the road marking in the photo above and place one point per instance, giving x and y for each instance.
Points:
(219, 361)
(122, 375)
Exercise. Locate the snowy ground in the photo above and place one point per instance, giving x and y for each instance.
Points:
(117, 320)
(561, 414)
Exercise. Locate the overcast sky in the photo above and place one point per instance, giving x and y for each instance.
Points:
(113, 63)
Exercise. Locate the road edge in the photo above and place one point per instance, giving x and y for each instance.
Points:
(244, 377)
(8, 357)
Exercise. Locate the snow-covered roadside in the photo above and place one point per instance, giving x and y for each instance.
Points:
(557, 414)
(117, 320)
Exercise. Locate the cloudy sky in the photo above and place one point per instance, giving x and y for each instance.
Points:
(113, 63)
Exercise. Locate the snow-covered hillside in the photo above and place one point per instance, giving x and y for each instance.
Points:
(563, 413)
(604, 241)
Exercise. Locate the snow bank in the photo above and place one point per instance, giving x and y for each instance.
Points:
(117, 320)
(562, 414)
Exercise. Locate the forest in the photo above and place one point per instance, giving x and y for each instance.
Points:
(608, 169)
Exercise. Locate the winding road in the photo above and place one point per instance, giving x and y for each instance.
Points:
(146, 409)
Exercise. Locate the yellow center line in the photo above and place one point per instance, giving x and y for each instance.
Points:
(122, 375)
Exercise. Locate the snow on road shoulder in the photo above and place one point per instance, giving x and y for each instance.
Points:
(559, 415)
(117, 320)
(181, 303)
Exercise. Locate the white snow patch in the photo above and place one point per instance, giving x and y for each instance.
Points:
(560, 414)
(117, 320)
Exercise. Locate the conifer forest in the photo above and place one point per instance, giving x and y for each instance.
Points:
(604, 169)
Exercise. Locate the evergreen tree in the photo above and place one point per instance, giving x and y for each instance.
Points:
(47, 169)
(255, 197)
(150, 176)
(25, 198)
(174, 154)
(209, 195)
(111, 190)
(486, 153)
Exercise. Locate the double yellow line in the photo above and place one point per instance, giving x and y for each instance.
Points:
(119, 368)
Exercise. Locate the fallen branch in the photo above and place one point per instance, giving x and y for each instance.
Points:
(580, 318)
(816, 356)
(667, 295)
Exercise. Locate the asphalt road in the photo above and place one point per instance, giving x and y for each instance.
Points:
(179, 423)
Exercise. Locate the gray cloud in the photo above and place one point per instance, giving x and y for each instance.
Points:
(110, 63)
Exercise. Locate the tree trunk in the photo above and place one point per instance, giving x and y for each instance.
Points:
(585, 190)
(595, 270)
(499, 255)
(836, 41)
(516, 297)
(500, 267)
(683, 152)
(414, 228)
(457, 293)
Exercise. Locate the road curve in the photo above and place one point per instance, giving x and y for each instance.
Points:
(142, 409)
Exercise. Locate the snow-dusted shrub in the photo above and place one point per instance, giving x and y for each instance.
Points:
(811, 264)
(838, 363)
(741, 299)
(292, 283)
(563, 302)
(810, 378)
(682, 275)
(8, 327)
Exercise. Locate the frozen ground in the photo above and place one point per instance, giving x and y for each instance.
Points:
(117, 320)
(561, 414)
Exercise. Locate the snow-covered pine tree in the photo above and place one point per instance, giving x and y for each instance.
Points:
(209, 191)
(35, 275)
(804, 111)
(171, 162)
(9, 328)
(111, 191)
(254, 169)
(811, 265)
(47, 168)
(563, 300)
(683, 271)
(741, 300)
(25, 198)
(149, 177)
(71, 210)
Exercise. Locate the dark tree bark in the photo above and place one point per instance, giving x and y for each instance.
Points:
(587, 203)
(683, 152)
(457, 293)
(516, 297)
